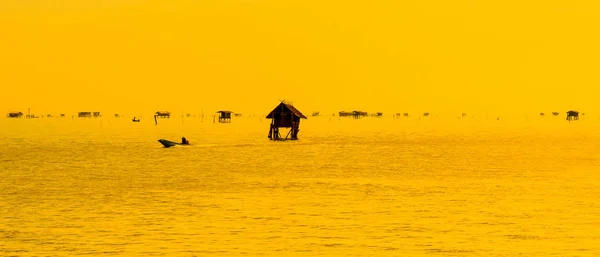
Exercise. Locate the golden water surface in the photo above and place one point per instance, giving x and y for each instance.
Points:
(371, 187)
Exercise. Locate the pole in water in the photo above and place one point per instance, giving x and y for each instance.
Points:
(155, 121)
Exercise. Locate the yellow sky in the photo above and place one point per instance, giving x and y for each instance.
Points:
(244, 55)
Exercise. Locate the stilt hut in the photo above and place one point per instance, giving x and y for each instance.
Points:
(555, 113)
(224, 116)
(359, 114)
(285, 115)
(84, 114)
(15, 115)
(572, 115)
(344, 114)
(162, 114)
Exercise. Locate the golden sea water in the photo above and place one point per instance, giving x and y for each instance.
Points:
(371, 187)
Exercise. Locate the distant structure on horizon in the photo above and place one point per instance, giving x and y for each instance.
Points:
(572, 115)
(224, 116)
(285, 115)
(353, 114)
(84, 114)
(315, 114)
(555, 113)
(15, 115)
(163, 114)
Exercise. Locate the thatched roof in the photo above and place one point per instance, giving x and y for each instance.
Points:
(224, 112)
(283, 107)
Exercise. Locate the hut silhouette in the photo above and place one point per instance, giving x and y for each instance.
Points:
(359, 114)
(224, 116)
(285, 115)
(572, 115)
(162, 114)
(84, 114)
(15, 115)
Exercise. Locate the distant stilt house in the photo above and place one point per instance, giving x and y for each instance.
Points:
(62, 115)
(359, 114)
(572, 115)
(344, 114)
(84, 114)
(378, 114)
(405, 115)
(426, 114)
(285, 116)
(15, 115)
(160, 114)
(315, 114)
(542, 114)
(237, 115)
(117, 115)
(97, 114)
(224, 116)
(555, 113)
(463, 115)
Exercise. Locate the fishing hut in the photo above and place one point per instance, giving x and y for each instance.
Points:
(84, 114)
(160, 114)
(224, 116)
(572, 115)
(359, 114)
(285, 115)
(15, 115)
(315, 114)
(555, 113)
(344, 114)
(97, 114)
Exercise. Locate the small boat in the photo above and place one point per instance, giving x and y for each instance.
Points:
(134, 120)
(168, 143)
